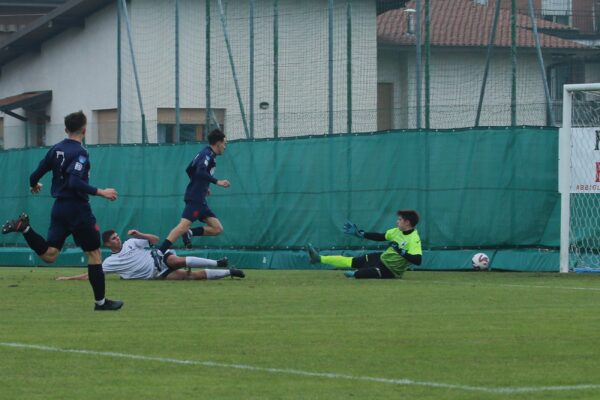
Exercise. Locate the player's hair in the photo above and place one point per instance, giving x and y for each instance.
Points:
(215, 136)
(75, 121)
(411, 215)
(106, 235)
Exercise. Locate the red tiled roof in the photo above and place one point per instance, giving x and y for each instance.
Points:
(466, 23)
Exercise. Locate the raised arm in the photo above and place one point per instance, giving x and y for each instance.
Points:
(152, 239)
(350, 228)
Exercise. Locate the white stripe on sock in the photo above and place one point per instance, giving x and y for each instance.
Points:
(216, 273)
(198, 262)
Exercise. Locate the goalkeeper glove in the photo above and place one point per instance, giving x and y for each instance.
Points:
(397, 248)
(350, 228)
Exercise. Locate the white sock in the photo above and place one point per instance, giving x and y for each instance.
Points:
(199, 262)
(101, 302)
(216, 273)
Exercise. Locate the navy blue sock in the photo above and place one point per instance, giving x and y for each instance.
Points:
(166, 245)
(35, 241)
(199, 231)
(96, 277)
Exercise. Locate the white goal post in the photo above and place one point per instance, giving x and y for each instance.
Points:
(579, 178)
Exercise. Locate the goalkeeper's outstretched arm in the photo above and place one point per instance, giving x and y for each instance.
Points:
(350, 228)
(376, 236)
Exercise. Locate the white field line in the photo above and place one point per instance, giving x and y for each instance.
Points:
(326, 375)
(454, 283)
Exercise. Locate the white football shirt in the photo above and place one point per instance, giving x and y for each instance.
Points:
(134, 261)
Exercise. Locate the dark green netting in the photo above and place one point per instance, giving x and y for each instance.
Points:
(475, 188)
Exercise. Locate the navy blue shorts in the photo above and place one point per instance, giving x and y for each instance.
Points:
(197, 211)
(73, 217)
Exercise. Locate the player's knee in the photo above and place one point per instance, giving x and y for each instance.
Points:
(218, 229)
(94, 257)
(48, 259)
(359, 262)
(174, 261)
(181, 229)
(50, 255)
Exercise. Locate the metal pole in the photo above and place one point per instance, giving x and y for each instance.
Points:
(275, 68)
(119, 72)
(427, 60)
(541, 64)
(177, 111)
(135, 73)
(330, 65)
(251, 78)
(487, 61)
(513, 51)
(349, 65)
(232, 64)
(207, 122)
(418, 61)
(564, 178)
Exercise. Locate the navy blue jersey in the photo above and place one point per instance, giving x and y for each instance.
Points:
(70, 165)
(200, 171)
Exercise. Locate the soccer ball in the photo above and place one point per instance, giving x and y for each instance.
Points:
(480, 261)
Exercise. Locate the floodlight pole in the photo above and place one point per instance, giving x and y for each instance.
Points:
(418, 61)
(135, 72)
(427, 60)
(177, 110)
(541, 64)
(251, 77)
(207, 118)
(275, 68)
(119, 73)
(488, 58)
(349, 66)
(232, 65)
(513, 52)
(330, 66)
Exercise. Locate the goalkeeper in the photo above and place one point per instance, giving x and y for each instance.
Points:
(404, 249)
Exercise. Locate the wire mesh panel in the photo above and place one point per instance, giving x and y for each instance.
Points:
(281, 68)
(584, 223)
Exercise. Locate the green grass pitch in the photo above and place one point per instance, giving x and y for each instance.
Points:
(302, 335)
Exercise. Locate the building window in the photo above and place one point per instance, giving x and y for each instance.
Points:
(105, 126)
(192, 124)
(556, 11)
(37, 129)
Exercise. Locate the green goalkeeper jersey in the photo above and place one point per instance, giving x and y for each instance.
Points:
(411, 243)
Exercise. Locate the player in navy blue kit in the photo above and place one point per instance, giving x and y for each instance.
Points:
(200, 172)
(71, 213)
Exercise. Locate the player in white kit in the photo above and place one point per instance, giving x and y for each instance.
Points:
(135, 259)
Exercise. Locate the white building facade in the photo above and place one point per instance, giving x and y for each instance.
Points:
(81, 68)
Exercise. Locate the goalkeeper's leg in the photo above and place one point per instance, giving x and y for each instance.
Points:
(337, 261)
(366, 261)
